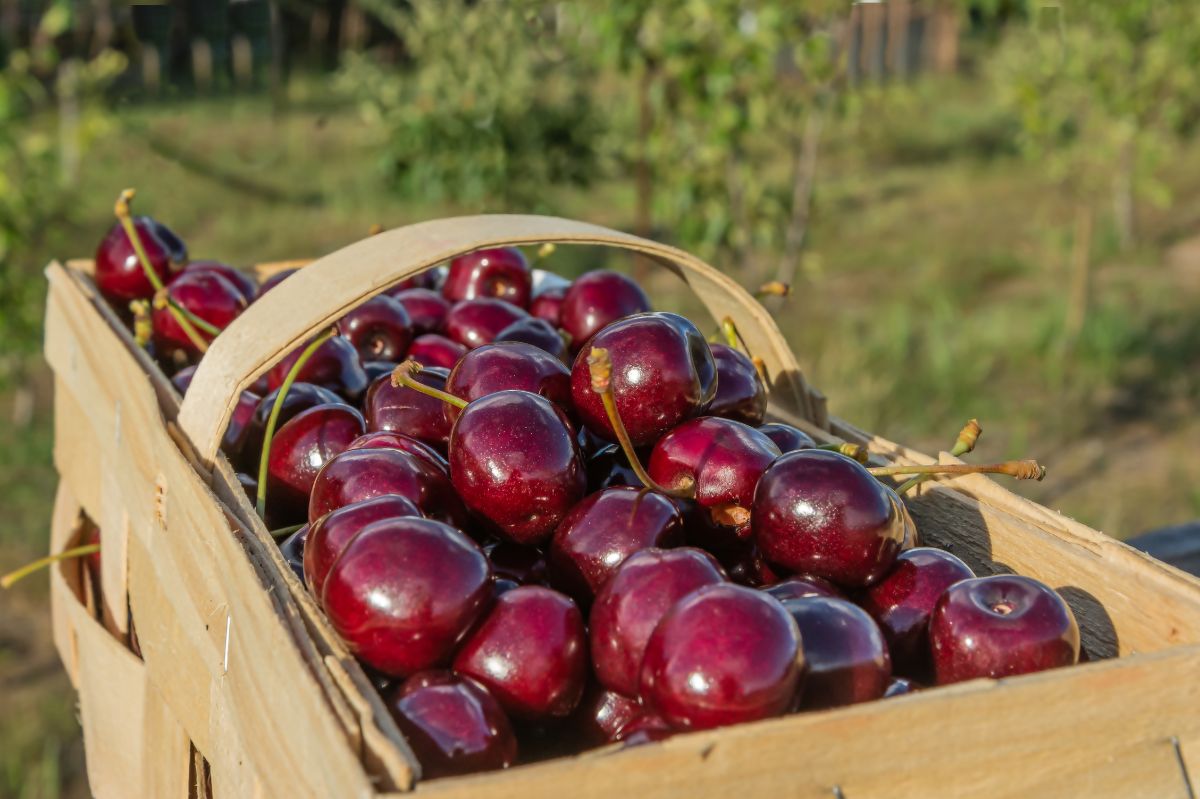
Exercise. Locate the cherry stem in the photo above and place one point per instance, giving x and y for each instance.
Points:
(856, 451)
(143, 328)
(967, 437)
(600, 368)
(284, 532)
(1022, 470)
(260, 504)
(775, 288)
(402, 377)
(733, 337)
(29, 568)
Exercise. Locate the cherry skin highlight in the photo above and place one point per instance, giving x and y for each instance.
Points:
(379, 329)
(787, 437)
(330, 534)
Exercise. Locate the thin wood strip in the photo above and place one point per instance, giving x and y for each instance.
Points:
(325, 290)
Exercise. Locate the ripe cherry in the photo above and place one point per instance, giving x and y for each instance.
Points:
(403, 410)
(787, 437)
(596, 300)
(300, 397)
(119, 274)
(384, 439)
(537, 332)
(299, 450)
(602, 714)
(207, 296)
(509, 366)
(246, 285)
(802, 586)
(741, 395)
(379, 329)
(547, 304)
(330, 534)
(426, 308)
(431, 349)
(501, 273)
(335, 365)
(847, 657)
(474, 323)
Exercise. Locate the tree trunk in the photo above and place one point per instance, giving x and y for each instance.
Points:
(1123, 201)
(643, 177)
(1079, 297)
(804, 177)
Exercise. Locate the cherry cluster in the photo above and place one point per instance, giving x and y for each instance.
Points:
(539, 510)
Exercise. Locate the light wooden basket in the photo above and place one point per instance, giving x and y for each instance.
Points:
(243, 690)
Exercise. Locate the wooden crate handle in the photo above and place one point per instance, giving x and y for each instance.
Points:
(325, 290)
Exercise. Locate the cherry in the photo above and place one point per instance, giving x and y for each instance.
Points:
(119, 274)
(634, 601)
(238, 428)
(292, 550)
(821, 513)
(1000, 626)
(596, 300)
(300, 397)
(662, 374)
(299, 450)
(741, 395)
(474, 323)
(246, 285)
(511, 365)
(275, 279)
(335, 365)
(514, 461)
(530, 651)
(537, 332)
(404, 592)
(330, 534)
(903, 601)
(403, 410)
(547, 304)
(384, 439)
(501, 273)
(720, 460)
(453, 725)
(602, 715)
(787, 437)
(355, 475)
(426, 308)
(741, 558)
(377, 369)
(724, 654)
(847, 657)
(644, 728)
(421, 280)
(209, 297)
(604, 529)
(802, 586)
(608, 467)
(379, 329)
(431, 349)
(520, 565)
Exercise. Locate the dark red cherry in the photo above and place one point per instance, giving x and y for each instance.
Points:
(1001, 626)
(237, 431)
(426, 308)
(721, 459)
(514, 462)
(787, 437)
(275, 279)
(453, 725)
(802, 586)
(292, 550)
(330, 534)
(741, 559)
(384, 439)
(474, 323)
(335, 365)
(355, 475)
(501, 273)
(530, 652)
(537, 332)
(246, 285)
(379, 329)
(521, 565)
(404, 592)
(299, 450)
(205, 294)
(403, 410)
(300, 397)
(119, 274)
(431, 349)
(609, 467)
(662, 375)
(547, 304)
(596, 300)
(903, 601)
(821, 513)
(741, 395)
(847, 657)
(604, 529)
(724, 654)
(509, 366)
(421, 280)
(602, 714)
(634, 601)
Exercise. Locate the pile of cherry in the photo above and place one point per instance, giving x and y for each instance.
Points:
(458, 471)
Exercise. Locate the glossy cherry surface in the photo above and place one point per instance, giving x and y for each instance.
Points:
(205, 294)
(238, 428)
(800, 586)
(431, 349)
(509, 366)
(299, 450)
(404, 592)
(724, 654)
(515, 462)
(300, 397)
(519, 564)
(474, 323)
(453, 725)
(426, 308)
(597, 299)
(741, 395)
(609, 467)
(633, 602)
(848, 660)
(400, 409)
(903, 601)
(246, 285)
(547, 304)
(379, 329)
(500, 273)
(604, 529)
(335, 365)
(1001, 626)
(821, 513)
(385, 439)
(602, 714)
(787, 437)
(119, 274)
(530, 652)
(537, 332)
(328, 536)
(292, 549)
(662, 375)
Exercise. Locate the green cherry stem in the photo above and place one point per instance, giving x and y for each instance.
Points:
(284, 532)
(402, 376)
(733, 337)
(855, 451)
(29, 568)
(260, 504)
(962, 445)
(1021, 470)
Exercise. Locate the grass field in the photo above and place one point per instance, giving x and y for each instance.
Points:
(932, 291)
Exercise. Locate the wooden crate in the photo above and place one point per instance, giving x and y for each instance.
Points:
(248, 676)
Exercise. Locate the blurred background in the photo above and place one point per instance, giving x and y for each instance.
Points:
(985, 207)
